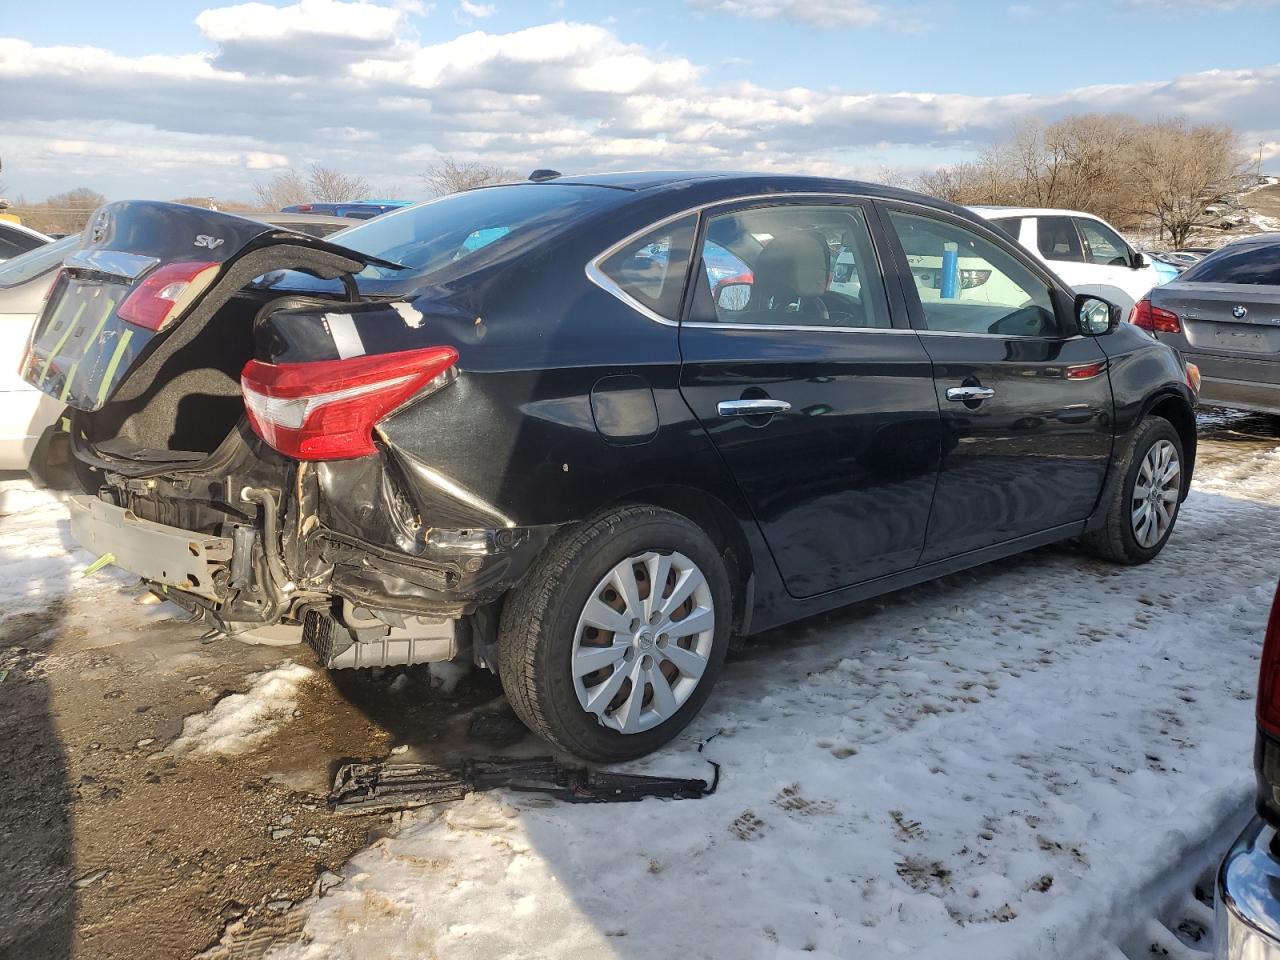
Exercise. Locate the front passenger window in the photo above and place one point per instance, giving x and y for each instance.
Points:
(967, 284)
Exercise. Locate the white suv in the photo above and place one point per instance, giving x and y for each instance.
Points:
(1087, 253)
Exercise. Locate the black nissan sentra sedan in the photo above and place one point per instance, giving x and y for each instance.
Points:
(532, 426)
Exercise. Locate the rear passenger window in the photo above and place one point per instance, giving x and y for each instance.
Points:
(1057, 239)
(651, 270)
(795, 265)
(1253, 263)
(967, 284)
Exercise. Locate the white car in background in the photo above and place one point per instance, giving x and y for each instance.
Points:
(1088, 253)
(15, 239)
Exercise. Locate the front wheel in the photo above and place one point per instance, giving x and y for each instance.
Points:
(1143, 506)
(612, 643)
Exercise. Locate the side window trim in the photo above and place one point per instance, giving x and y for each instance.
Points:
(899, 314)
(915, 308)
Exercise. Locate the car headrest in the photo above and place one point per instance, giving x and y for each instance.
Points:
(793, 264)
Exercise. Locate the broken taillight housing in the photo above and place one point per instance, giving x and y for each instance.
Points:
(166, 292)
(1153, 319)
(327, 409)
(1269, 674)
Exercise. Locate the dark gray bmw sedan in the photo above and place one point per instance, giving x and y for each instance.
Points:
(1223, 314)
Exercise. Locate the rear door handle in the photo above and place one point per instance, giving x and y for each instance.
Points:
(755, 407)
(970, 393)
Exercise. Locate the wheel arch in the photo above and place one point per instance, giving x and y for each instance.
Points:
(1182, 415)
(718, 521)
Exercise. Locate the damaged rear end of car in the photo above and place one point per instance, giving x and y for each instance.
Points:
(245, 443)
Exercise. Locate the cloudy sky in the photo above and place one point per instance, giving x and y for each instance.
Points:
(163, 98)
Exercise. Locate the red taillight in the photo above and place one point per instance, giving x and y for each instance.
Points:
(1269, 674)
(1153, 319)
(326, 410)
(165, 292)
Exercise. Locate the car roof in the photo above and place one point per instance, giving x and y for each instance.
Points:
(736, 183)
(992, 211)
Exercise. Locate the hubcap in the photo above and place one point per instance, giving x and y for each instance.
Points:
(643, 641)
(1154, 503)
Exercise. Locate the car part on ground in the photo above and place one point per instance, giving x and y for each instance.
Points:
(514, 427)
(362, 788)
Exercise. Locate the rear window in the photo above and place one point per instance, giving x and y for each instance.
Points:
(14, 243)
(1255, 263)
(40, 260)
(431, 237)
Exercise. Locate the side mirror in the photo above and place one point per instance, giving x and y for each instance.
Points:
(1096, 316)
(1139, 261)
(733, 296)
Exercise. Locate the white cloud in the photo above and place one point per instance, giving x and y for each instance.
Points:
(573, 96)
(814, 13)
(474, 11)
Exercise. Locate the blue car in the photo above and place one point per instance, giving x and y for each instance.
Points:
(355, 209)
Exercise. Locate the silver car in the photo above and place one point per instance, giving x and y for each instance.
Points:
(1223, 314)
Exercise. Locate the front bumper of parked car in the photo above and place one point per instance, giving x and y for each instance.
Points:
(1247, 915)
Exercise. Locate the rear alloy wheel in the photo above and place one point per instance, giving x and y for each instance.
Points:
(611, 645)
(1142, 505)
(643, 641)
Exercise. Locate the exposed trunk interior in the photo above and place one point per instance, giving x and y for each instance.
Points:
(194, 402)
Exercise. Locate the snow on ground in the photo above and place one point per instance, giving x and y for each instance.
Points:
(41, 566)
(987, 766)
(239, 722)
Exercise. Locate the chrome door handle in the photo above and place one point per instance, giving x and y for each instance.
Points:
(970, 393)
(760, 407)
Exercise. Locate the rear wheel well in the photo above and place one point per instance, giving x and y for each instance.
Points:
(1179, 413)
(719, 523)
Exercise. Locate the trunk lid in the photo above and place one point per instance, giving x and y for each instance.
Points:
(1231, 329)
(82, 349)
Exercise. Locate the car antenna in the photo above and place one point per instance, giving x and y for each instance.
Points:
(541, 176)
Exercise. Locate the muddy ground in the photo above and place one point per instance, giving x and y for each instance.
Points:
(111, 847)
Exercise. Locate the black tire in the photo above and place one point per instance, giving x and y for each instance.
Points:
(540, 618)
(1115, 539)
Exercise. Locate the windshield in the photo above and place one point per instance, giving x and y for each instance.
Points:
(431, 237)
(40, 260)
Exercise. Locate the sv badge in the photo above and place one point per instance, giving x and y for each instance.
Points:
(211, 243)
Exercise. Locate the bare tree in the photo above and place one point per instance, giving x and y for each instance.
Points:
(329, 186)
(1180, 170)
(1112, 165)
(283, 190)
(65, 212)
(320, 184)
(448, 175)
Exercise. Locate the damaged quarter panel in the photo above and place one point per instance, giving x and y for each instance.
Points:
(566, 400)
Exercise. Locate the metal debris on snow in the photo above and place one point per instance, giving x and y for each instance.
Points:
(382, 787)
